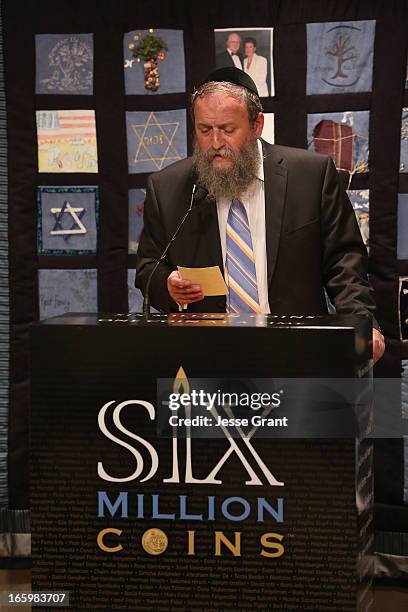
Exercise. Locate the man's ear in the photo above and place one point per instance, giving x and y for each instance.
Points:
(259, 124)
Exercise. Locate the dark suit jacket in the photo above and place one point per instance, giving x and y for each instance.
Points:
(312, 237)
(224, 60)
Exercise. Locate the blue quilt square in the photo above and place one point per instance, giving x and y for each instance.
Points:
(360, 200)
(62, 291)
(155, 139)
(342, 136)
(64, 64)
(404, 141)
(135, 296)
(404, 398)
(402, 234)
(340, 57)
(67, 220)
(169, 68)
(136, 204)
(406, 76)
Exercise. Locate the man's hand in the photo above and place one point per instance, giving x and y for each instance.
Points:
(183, 291)
(378, 345)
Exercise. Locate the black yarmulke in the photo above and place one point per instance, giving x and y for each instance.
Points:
(232, 75)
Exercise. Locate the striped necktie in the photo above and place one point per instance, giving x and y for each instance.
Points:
(240, 273)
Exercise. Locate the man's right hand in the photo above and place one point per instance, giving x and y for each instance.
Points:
(183, 291)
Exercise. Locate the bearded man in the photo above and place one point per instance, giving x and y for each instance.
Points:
(276, 220)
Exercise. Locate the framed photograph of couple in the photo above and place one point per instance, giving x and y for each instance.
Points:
(251, 50)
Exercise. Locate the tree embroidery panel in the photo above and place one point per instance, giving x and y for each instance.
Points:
(64, 64)
(340, 57)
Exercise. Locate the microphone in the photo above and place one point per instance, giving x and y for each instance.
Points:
(197, 195)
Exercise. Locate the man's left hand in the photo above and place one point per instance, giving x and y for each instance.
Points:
(378, 345)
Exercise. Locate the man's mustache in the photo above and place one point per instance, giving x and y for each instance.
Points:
(224, 152)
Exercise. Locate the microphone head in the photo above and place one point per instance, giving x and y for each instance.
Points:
(199, 194)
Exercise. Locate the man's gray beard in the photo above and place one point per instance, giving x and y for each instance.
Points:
(232, 182)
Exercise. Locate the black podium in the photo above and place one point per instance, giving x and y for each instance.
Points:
(129, 512)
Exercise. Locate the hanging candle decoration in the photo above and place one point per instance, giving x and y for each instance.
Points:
(150, 49)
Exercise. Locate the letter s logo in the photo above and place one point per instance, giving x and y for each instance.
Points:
(267, 541)
(136, 454)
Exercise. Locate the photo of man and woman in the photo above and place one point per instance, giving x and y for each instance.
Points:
(251, 51)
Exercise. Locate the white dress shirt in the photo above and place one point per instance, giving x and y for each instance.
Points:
(254, 201)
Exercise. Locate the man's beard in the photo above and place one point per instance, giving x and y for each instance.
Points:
(231, 182)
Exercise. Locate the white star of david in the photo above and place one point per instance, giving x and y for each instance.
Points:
(67, 208)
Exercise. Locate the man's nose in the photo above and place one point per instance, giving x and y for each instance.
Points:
(217, 140)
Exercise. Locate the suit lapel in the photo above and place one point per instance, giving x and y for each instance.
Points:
(208, 220)
(275, 176)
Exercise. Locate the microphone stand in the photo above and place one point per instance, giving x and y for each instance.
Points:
(146, 300)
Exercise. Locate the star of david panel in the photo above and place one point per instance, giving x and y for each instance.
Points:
(136, 201)
(402, 236)
(67, 220)
(342, 136)
(360, 200)
(171, 68)
(62, 291)
(64, 64)
(340, 57)
(155, 139)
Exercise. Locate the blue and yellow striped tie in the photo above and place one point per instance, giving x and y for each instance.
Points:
(240, 273)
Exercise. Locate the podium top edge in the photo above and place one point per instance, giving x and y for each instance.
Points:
(209, 320)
